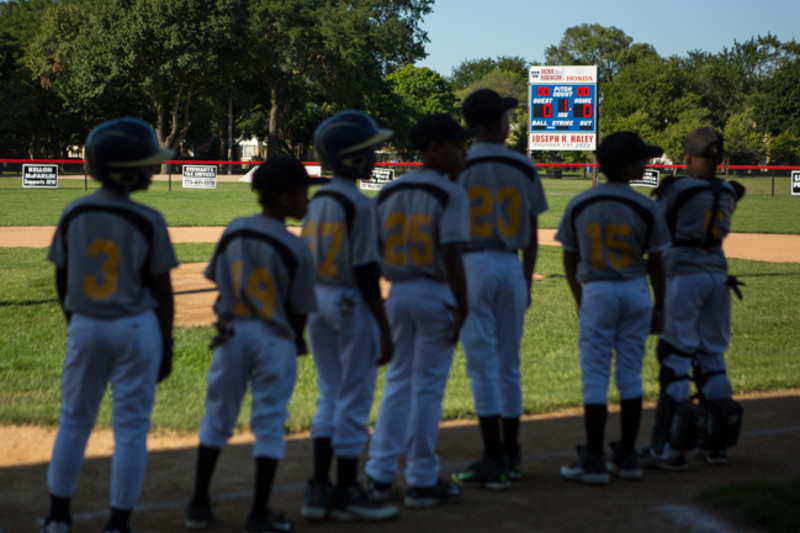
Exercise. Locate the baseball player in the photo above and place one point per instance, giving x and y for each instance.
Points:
(265, 277)
(698, 209)
(349, 332)
(424, 221)
(606, 232)
(112, 258)
(506, 197)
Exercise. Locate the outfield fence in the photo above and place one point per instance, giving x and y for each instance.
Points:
(76, 168)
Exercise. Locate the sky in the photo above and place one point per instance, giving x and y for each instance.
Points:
(477, 29)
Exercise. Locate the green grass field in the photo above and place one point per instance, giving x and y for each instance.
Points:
(32, 329)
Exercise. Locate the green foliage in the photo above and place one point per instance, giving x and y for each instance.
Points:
(591, 44)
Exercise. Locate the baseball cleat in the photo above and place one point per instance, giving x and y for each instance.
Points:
(268, 524)
(378, 490)
(485, 471)
(590, 469)
(349, 504)
(671, 462)
(198, 516)
(439, 494)
(316, 500)
(55, 526)
(712, 457)
(624, 463)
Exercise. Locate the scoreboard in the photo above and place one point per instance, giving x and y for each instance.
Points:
(563, 108)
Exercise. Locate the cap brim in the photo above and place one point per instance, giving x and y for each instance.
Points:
(163, 154)
(509, 103)
(318, 181)
(651, 151)
(380, 136)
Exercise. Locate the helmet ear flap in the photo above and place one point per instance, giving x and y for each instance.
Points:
(345, 143)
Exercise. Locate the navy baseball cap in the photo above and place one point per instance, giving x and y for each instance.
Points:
(624, 148)
(485, 106)
(440, 127)
(279, 174)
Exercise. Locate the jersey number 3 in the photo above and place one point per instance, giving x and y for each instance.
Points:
(482, 207)
(97, 287)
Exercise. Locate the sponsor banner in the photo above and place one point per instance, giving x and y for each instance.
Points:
(562, 141)
(199, 176)
(649, 179)
(40, 176)
(379, 178)
(796, 182)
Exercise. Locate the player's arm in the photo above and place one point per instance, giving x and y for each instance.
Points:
(454, 267)
(368, 280)
(529, 255)
(570, 260)
(161, 287)
(655, 269)
(298, 323)
(61, 289)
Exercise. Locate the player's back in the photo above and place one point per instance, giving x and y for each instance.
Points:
(611, 226)
(341, 230)
(257, 265)
(504, 192)
(417, 214)
(687, 204)
(110, 247)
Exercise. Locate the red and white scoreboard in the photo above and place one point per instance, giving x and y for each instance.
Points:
(563, 108)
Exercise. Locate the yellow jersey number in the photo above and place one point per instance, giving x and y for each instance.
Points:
(507, 203)
(620, 252)
(408, 240)
(333, 232)
(260, 288)
(93, 286)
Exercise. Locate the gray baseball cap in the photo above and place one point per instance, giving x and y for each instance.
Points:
(439, 127)
(624, 148)
(704, 142)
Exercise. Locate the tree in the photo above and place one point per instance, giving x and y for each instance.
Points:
(471, 70)
(591, 44)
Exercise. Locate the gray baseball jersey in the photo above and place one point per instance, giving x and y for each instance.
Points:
(262, 271)
(417, 214)
(504, 192)
(687, 204)
(611, 226)
(337, 208)
(110, 246)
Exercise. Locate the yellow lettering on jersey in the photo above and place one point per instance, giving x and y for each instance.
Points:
(409, 238)
(480, 199)
(508, 204)
(511, 202)
(620, 253)
(715, 229)
(109, 267)
(260, 288)
(335, 230)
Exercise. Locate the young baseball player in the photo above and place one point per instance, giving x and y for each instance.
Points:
(424, 221)
(613, 238)
(349, 332)
(506, 197)
(265, 277)
(698, 209)
(112, 258)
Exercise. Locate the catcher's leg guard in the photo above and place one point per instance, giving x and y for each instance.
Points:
(687, 426)
(723, 422)
(668, 356)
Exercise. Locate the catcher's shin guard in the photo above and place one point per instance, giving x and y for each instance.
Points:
(723, 422)
(687, 426)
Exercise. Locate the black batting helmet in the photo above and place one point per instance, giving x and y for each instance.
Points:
(346, 141)
(120, 153)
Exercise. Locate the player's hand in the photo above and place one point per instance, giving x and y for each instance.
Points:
(166, 361)
(657, 321)
(387, 348)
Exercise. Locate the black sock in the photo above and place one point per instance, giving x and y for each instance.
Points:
(346, 471)
(631, 415)
(265, 474)
(119, 519)
(490, 432)
(594, 417)
(323, 456)
(59, 509)
(206, 461)
(511, 435)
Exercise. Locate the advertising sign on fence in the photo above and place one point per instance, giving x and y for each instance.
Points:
(40, 176)
(562, 108)
(199, 176)
(648, 179)
(379, 178)
(796, 182)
